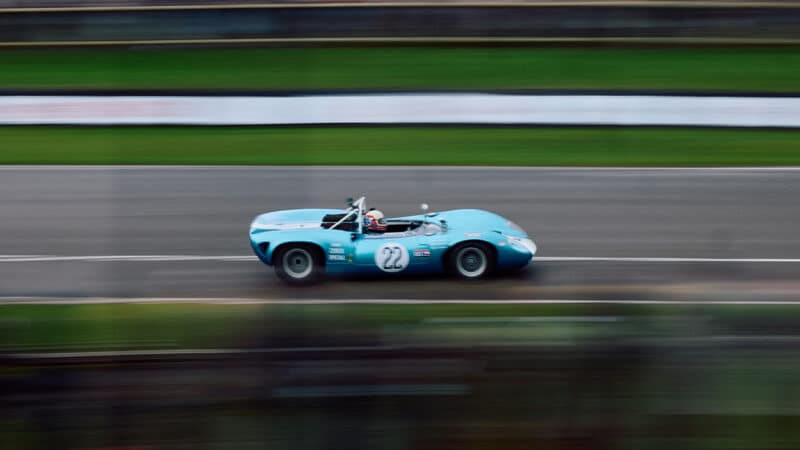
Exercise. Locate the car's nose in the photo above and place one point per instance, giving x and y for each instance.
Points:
(529, 245)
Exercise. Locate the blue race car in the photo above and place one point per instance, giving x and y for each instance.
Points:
(305, 244)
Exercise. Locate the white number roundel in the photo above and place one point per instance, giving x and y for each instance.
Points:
(391, 257)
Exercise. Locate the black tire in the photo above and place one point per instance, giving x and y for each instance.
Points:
(299, 264)
(471, 260)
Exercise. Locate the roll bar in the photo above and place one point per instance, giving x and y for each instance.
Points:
(356, 207)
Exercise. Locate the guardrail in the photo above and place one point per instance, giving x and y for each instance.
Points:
(12, 6)
(408, 109)
(401, 23)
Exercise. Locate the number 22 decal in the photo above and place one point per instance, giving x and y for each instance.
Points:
(391, 257)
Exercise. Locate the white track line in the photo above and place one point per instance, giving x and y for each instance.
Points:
(376, 301)
(250, 258)
(664, 260)
(136, 258)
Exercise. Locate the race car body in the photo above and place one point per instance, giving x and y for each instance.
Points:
(305, 244)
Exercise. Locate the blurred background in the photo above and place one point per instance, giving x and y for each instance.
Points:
(649, 147)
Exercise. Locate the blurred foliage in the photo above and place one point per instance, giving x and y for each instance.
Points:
(719, 69)
(439, 376)
(593, 146)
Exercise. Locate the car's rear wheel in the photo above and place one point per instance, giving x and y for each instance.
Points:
(471, 260)
(299, 264)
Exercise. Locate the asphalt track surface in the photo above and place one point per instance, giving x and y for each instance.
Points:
(195, 219)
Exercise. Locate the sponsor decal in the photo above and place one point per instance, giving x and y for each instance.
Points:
(336, 244)
(422, 253)
(472, 235)
(336, 254)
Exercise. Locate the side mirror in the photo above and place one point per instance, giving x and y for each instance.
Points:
(353, 236)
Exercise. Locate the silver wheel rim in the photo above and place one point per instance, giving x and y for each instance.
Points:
(471, 262)
(297, 263)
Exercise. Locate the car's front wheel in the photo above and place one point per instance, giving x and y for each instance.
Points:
(471, 260)
(299, 264)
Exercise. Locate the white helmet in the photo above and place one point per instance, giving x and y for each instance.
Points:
(374, 220)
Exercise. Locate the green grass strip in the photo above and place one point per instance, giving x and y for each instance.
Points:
(399, 146)
(34, 328)
(165, 326)
(728, 69)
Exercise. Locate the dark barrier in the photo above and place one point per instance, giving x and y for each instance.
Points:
(557, 22)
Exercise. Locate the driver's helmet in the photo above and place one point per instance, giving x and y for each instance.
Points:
(373, 220)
